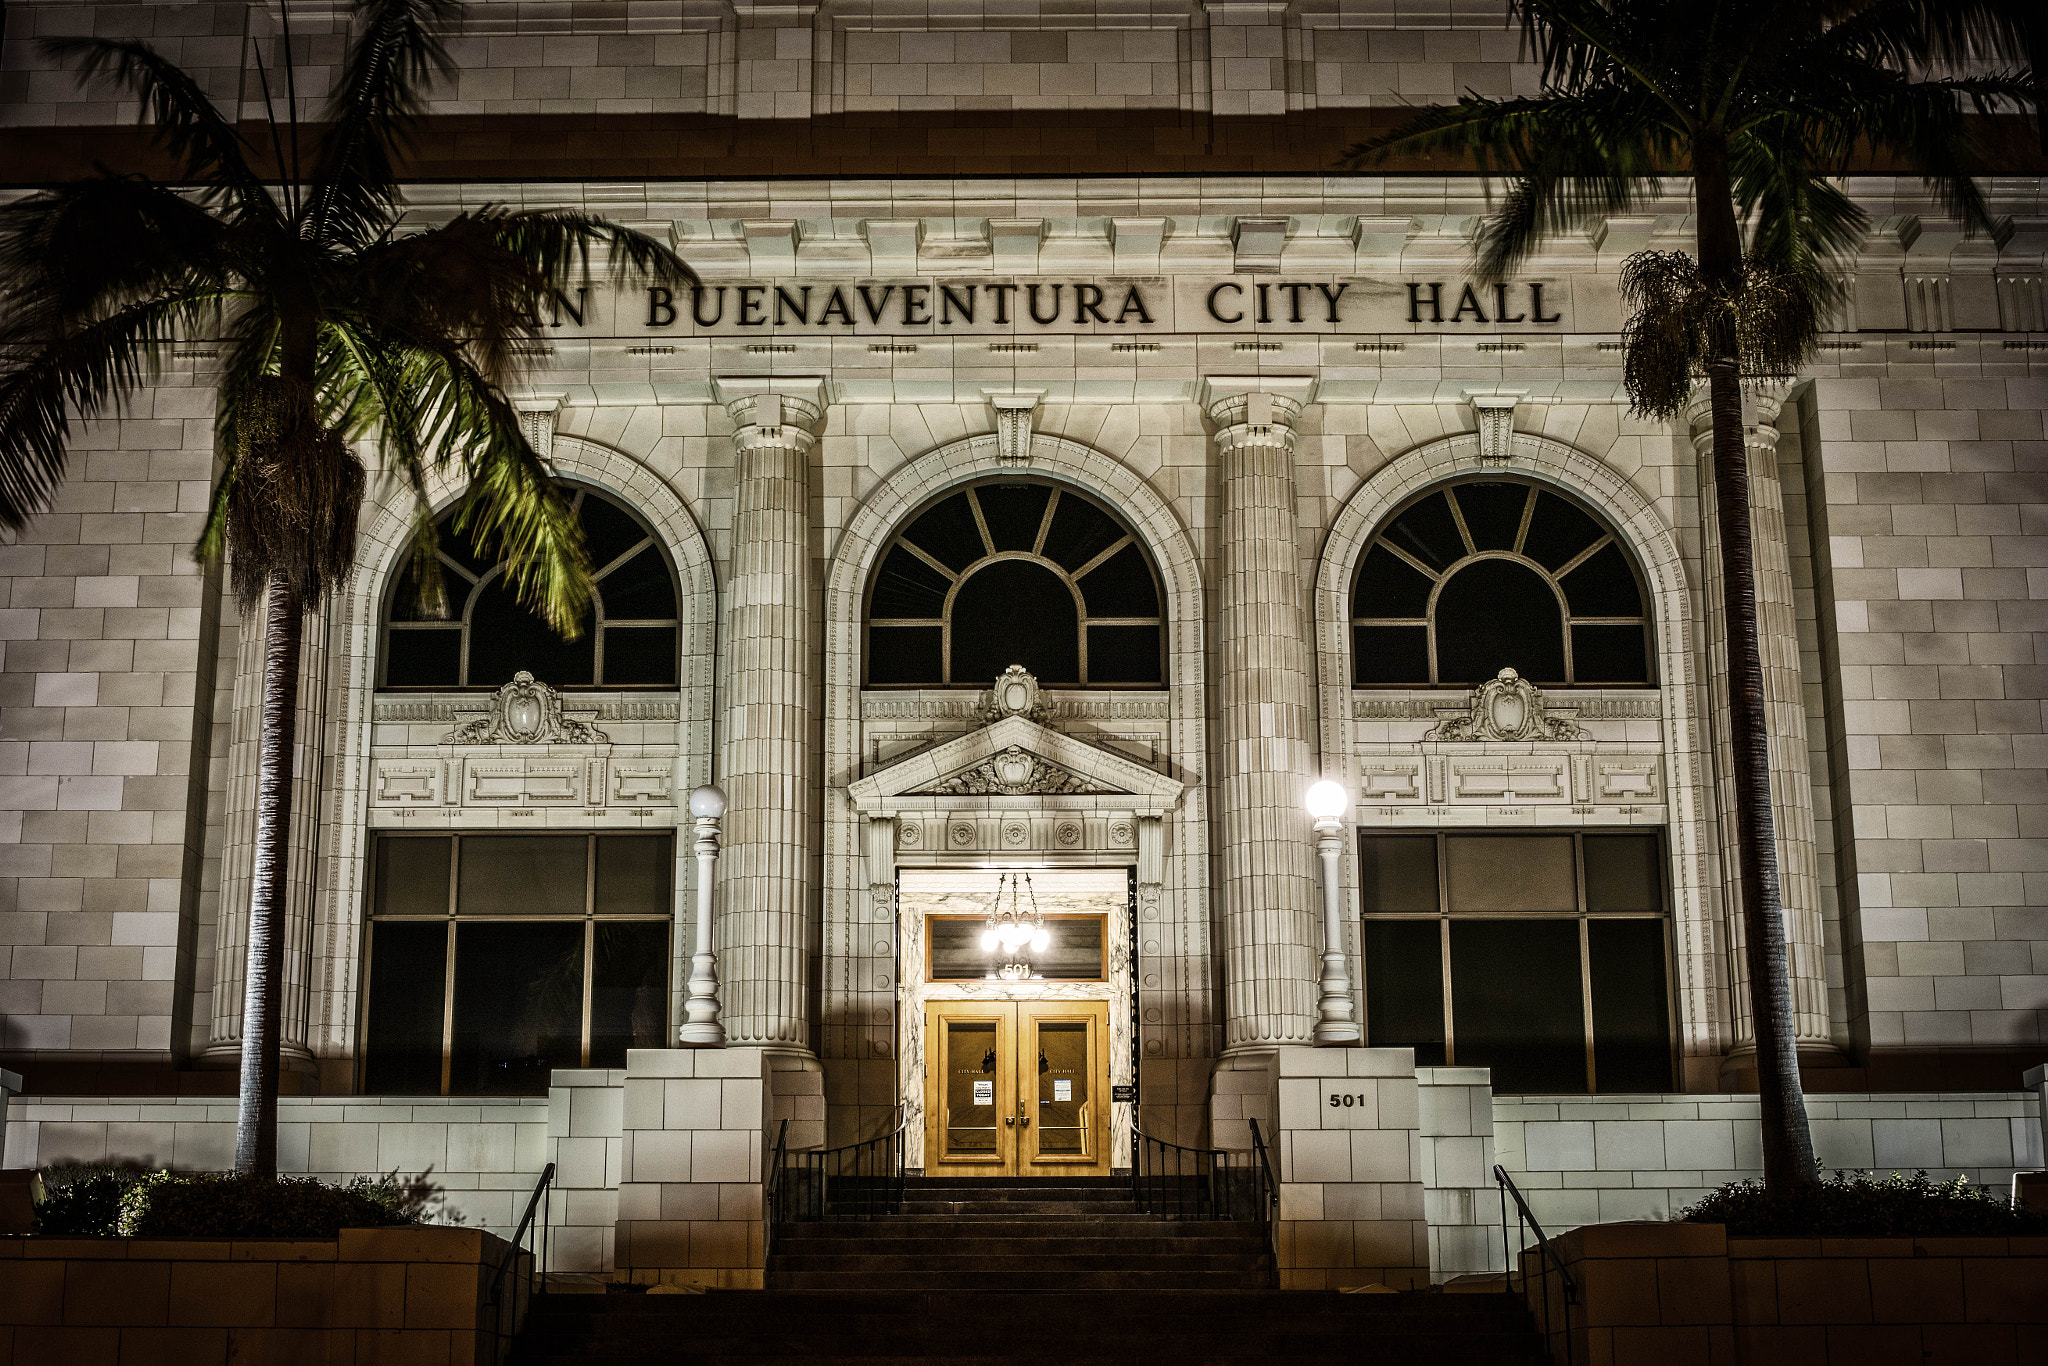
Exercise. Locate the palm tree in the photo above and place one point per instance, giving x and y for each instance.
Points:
(339, 325)
(1764, 101)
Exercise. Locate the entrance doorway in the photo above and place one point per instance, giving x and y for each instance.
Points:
(1017, 1088)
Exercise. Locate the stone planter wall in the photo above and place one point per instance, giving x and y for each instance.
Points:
(416, 1295)
(1656, 1294)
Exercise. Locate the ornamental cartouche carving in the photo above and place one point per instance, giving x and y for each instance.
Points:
(1507, 707)
(526, 712)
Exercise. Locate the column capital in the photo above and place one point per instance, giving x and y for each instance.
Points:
(774, 410)
(1761, 402)
(1255, 410)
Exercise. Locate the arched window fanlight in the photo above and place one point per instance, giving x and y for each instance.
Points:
(1014, 572)
(628, 638)
(1487, 574)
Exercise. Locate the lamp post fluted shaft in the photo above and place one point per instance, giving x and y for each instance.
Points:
(701, 1027)
(1335, 1023)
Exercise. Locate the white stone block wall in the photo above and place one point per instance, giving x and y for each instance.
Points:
(107, 630)
(1930, 493)
(1460, 1199)
(1348, 1155)
(686, 56)
(698, 1125)
(586, 1142)
(479, 1156)
(1595, 1159)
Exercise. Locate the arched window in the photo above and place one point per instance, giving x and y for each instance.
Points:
(628, 638)
(1010, 571)
(1487, 574)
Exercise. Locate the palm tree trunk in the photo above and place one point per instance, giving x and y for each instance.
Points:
(1787, 1141)
(256, 1121)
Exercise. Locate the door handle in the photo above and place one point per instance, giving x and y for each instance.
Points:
(1008, 1120)
(1023, 1119)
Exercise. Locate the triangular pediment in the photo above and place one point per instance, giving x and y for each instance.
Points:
(1014, 761)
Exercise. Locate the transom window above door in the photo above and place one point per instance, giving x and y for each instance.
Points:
(1487, 574)
(487, 635)
(1011, 571)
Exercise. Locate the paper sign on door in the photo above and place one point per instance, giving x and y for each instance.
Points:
(1062, 1090)
(985, 1092)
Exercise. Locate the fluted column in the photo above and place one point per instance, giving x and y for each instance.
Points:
(763, 936)
(1263, 720)
(1785, 708)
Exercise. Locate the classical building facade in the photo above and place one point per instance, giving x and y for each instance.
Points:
(1060, 468)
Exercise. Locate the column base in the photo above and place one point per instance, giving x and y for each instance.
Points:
(1738, 1071)
(227, 1057)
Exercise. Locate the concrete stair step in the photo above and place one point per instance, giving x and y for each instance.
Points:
(1018, 1206)
(1050, 1279)
(968, 1246)
(879, 1327)
(936, 1267)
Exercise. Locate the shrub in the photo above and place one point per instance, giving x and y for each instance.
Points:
(1863, 1205)
(83, 1201)
(215, 1205)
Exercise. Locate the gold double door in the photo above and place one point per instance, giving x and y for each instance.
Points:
(1016, 1088)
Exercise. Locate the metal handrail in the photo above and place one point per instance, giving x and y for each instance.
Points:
(1175, 1181)
(775, 1167)
(1512, 1259)
(535, 1263)
(857, 1181)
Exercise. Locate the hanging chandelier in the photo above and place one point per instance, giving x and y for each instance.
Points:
(1014, 930)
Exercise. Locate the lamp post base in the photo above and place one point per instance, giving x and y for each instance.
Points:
(701, 1028)
(1336, 1028)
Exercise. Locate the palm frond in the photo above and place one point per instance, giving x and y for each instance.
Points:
(213, 154)
(489, 275)
(1580, 44)
(293, 498)
(1770, 318)
(514, 506)
(46, 384)
(77, 251)
(397, 53)
(1906, 34)
(1573, 157)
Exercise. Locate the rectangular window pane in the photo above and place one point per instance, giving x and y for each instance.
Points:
(904, 654)
(1516, 1004)
(1493, 873)
(523, 875)
(1389, 655)
(635, 874)
(518, 1007)
(628, 990)
(1397, 873)
(423, 659)
(412, 875)
(640, 656)
(1623, 873)
(408, 982)
(1063, 1115)
(1404, 987)
(1631, 1012)
(970, 1058)
(1074, 951)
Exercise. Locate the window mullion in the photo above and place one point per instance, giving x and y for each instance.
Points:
(1443, 920)
(448, 1013)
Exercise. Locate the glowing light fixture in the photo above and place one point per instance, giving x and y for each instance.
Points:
(1013, 929)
